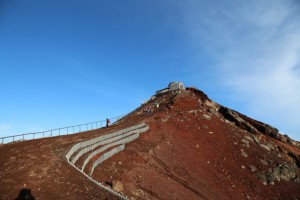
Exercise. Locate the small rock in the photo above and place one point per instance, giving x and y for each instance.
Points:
(243, 167)
(249, 138)
(228, 122)
(243, 153)
(256, 139)
(205, 116)
(245, 141)
(264, 162)
(210, 132)
(164, 119)
(197, 146)
(150, 151)
(265, 147)
(261, 176)
(117, 186)
(252, 168)
(270, 145)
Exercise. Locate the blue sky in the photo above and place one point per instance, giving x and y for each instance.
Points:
(70, 62)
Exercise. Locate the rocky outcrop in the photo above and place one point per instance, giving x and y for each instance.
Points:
(295, 157)
(290, 141)
(199, 93)
(194, 149)
(254, 126)
(285, 172)
(234, 117)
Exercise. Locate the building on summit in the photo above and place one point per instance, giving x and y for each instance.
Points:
(174, 87)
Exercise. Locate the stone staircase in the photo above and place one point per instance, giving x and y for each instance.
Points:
(94, 151)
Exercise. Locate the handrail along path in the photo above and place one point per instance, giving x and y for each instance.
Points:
(59, 131)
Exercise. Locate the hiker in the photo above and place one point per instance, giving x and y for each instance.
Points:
(107, 122)
(146, 111)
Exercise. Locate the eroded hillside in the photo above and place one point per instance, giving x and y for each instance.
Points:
(194, 149)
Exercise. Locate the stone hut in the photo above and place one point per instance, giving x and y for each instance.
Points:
(173, 87)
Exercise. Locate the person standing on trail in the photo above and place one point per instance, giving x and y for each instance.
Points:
(107, 122)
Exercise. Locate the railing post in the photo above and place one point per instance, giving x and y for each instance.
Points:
(59, 132)
(73, 129)
(23, 137)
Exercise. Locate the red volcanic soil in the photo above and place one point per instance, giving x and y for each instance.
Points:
(191, 151)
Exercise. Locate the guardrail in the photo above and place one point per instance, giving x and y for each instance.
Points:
(59, 131)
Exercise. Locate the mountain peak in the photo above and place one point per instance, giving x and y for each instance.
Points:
(178, 145)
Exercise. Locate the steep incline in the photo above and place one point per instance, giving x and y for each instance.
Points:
(194, 149)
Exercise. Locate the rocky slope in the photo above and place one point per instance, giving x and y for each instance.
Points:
(194, 149)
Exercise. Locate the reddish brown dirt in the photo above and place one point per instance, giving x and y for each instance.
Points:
(189, 152)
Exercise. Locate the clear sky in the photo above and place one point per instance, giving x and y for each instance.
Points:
(70, 62)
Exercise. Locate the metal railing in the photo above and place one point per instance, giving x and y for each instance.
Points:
(59, 131)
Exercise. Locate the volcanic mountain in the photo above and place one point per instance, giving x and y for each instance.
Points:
(175, 146)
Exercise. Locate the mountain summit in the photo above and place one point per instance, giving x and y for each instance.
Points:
(177, 145)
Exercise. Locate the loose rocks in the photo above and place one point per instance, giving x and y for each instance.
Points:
(117, 186)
